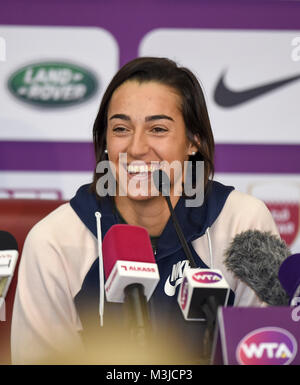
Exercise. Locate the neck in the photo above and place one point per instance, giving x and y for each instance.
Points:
(152, 214)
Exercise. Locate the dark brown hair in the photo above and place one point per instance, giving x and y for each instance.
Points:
(193, 106)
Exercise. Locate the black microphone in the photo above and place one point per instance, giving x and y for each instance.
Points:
(255, 257)
(162, 184)
(202, 291)
(8, 259)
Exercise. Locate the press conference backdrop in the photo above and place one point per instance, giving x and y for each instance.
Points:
(56, 60)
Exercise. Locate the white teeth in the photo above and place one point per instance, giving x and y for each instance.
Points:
(142, 168)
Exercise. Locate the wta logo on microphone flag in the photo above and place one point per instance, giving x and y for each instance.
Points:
(184, 292)
(207, 277)
(197, 286)
(267, 346)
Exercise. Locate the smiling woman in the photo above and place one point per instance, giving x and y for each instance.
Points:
(152, 114)
(151, 132)
(179, 92)
(155, 113)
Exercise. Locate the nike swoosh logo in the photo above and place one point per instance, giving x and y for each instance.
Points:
(169, 288)
(226, 97)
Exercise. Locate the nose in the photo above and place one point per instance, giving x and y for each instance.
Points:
(138, 146)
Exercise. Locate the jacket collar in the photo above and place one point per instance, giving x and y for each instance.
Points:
(193, 220)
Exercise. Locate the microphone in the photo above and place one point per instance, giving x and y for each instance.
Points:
(162, 184)
(198, 284)
(8, 259)
(131, 273)
(255, 257)
(289, 277)
(202, 291)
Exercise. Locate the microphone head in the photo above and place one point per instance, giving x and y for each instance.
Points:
(7, 241)
(289, 274)
(255, 257)
(126, 243)
(161, 182)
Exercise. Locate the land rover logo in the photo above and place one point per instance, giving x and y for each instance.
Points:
(53, 84)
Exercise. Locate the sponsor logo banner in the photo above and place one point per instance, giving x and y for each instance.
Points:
(280, 193)
(245, 106)
(286, 216)
(52, 84)
(267, 346)
(257, 336)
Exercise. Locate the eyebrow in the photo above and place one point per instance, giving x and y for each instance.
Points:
(158, 117)
(147, 119)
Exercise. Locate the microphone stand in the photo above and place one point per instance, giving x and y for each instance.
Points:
(137, 312)
(179, 232)
(210, 308)
(162, 183)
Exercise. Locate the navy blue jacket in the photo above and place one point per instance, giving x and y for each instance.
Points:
(164, 309)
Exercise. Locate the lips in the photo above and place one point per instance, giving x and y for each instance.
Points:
(141, 170)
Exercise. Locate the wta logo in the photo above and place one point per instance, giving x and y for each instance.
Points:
(207, 277)
(267, 346)
(184, 293)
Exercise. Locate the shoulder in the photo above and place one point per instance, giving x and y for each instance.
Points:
(241, 202)
(58, 245)
(243, 211)
(62, 224)
(63, 212)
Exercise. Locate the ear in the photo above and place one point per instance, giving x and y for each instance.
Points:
(193, 148)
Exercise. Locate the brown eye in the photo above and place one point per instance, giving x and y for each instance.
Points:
(159, 130)
(119, 130)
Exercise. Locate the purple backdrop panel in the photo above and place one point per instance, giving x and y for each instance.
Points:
(46, 156)
(130, 20)
(78, 156)
(259, 158)
(259, 336)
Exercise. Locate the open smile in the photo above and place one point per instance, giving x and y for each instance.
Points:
(141, 170)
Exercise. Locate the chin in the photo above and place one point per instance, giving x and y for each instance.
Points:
(140, 198)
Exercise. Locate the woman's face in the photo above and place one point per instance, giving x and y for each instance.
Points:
(145, 123)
